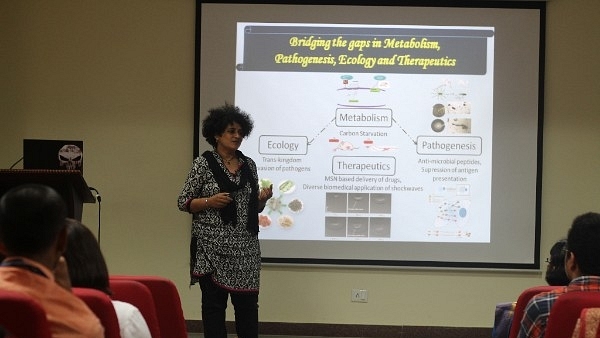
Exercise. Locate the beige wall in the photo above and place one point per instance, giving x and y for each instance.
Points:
(119, 75)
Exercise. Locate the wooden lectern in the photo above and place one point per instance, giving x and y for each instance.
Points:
(68, 183)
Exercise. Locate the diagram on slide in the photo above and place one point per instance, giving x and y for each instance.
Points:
(367, 155)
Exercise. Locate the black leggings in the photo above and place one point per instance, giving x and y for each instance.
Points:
(214, 303)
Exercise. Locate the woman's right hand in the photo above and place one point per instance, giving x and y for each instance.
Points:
(219, 200)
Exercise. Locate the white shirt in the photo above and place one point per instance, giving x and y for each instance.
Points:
(131, 321)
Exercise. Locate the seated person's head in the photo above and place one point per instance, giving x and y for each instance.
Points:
(87, 267)
(583, 252)
(555, 271)
(32, 223)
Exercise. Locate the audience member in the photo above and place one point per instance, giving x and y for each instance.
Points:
(582, 266)
(33, 239)
(88, 269)
(555, 275)
(555, 270)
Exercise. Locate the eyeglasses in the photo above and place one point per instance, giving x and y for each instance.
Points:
(548, 260)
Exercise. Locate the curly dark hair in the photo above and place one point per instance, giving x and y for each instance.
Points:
(219, 118)
(582, 241)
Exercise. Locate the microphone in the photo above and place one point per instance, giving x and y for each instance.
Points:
(98, 197)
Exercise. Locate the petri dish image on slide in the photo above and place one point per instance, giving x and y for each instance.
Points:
(358, 203)
(380, 227)
(358, 227)
(381, 203)
(335, 227)
(335, 202)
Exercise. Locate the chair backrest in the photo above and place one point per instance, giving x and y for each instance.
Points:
(587, 324)
(566, 310)
(102, 306)
(168, 304)
(23, 316)
(522, 301)
(138, 295)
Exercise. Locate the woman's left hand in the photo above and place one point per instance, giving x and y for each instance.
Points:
(265, 194)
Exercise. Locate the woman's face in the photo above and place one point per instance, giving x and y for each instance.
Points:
(231, 138)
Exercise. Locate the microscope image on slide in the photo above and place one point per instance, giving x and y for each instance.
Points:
(452, 110)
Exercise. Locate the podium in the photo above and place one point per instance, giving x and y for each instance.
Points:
(68, 183)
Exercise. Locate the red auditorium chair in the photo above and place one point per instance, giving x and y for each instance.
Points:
(566, 310)
(23, 316)
(168, 304)
(139, 295)
(588, 323)
(522, 301)
(102, 306)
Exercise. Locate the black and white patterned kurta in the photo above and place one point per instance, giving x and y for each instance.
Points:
(230, 253)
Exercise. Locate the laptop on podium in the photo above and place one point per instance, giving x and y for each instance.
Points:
(53, 154)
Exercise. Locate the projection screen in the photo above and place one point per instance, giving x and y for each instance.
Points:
(404, 135)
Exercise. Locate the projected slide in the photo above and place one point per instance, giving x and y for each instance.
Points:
(368, 132)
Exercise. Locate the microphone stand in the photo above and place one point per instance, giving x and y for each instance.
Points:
(99, 199)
